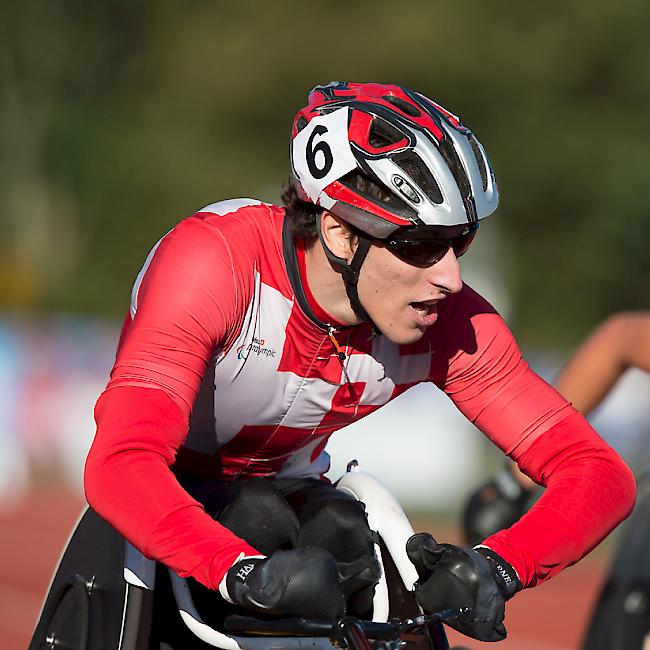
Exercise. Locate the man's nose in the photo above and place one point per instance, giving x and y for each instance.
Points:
(445, 273)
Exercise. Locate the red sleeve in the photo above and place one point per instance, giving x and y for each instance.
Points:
(189, 298)
(128, 483)
(589, 488)
(481, 368)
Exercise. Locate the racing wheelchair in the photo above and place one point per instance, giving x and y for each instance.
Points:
(106, 595)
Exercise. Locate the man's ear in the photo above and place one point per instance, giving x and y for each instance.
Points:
(338, 235)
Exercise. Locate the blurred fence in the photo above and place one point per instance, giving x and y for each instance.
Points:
(51, 373)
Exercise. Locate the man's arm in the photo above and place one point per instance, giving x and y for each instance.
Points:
(493, 386)
(619, 343)
(590, 489)
(185, 304)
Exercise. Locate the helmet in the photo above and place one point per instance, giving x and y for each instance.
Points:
(382, 157)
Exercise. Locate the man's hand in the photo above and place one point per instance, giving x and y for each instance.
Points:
(299, 582)
(452, 577)
(495, 505)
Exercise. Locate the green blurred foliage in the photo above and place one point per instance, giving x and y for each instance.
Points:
(119, 118)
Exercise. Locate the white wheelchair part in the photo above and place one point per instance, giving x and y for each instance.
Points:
(387, 519)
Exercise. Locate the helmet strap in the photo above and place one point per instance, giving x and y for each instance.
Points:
(350, 271)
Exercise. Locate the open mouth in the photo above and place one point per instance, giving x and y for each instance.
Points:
(424, 308)
(425, 312)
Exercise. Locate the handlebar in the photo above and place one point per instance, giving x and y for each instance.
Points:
(348, 632)
(355, 633)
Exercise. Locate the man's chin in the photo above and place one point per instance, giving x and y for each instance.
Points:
(405, 336)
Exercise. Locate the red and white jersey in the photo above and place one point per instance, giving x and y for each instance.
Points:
(273, 388)
(226, 352)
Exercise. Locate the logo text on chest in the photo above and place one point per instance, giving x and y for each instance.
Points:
(257, 347)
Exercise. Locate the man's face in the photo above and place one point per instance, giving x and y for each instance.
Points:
(401, 298)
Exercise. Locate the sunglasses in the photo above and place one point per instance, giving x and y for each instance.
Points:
(425, 251)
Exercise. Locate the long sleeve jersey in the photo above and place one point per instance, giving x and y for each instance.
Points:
(226, 352)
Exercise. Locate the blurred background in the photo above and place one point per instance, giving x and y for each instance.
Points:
(121, 118)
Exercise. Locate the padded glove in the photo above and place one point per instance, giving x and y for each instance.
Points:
(299, 582)
(494, 506)
(451, 577)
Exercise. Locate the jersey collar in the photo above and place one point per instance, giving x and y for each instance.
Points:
(294, 258)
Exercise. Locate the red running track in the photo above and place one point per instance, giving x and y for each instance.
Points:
(550, 617)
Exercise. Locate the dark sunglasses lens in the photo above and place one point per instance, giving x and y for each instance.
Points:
(429, 251)
(419, 251)
(462, 243)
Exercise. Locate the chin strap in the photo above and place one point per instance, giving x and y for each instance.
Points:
(350, 271)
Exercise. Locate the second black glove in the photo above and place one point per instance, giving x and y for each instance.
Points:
(451, 577)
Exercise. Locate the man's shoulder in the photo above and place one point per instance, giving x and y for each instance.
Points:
(237, 223)
(235, 230)
(240, 206)
(228, 239)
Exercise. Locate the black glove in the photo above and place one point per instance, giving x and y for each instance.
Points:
(451, 577)
(494, 506)
(299, 582)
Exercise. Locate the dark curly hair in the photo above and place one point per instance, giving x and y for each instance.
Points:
(302, 214)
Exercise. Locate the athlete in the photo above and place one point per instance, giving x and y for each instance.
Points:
(257, 330)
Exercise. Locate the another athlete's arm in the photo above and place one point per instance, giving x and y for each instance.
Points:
(621, 342)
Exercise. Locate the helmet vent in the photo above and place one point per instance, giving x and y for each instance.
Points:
(456, 167)
(383, 134)
(301, 123)
(403, 105)
(328, 108)
(412, 165)
(372, 191)
(480, 161)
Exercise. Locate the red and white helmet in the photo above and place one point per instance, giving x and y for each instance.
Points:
(433, 169)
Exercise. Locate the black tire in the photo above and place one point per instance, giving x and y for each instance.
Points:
(85, 606)
(621, 617)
